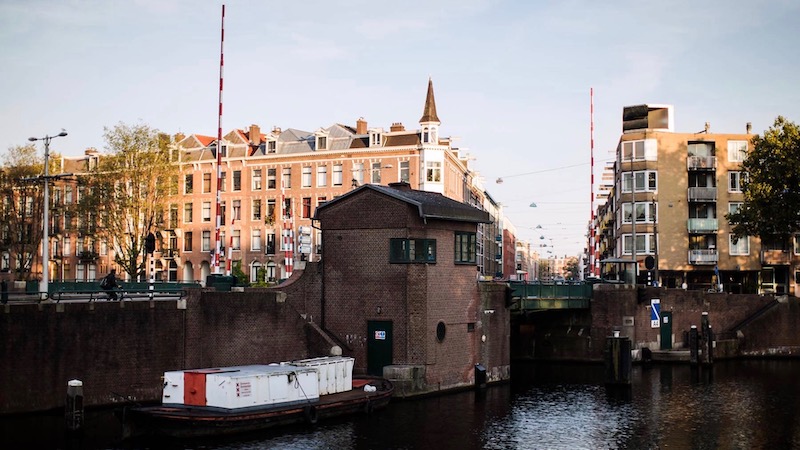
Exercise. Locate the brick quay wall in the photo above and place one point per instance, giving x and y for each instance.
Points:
(120, 350)
(744, 325)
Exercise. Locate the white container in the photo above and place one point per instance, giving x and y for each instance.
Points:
(335, 372)
(241, 386)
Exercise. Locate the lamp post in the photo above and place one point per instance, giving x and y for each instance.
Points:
(44, 282)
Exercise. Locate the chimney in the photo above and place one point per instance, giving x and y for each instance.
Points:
(400, 186)
(397, 126)
(708, 127)
(276, 131)
(361, 126)
(749, 127)
(90, 151)
(255, 134)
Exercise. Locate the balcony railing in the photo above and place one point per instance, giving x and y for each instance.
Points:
(703, 256)
(703, 225)
(701, 162)
(170, 253)
(775, 257)
(702, 194)
(87, 255)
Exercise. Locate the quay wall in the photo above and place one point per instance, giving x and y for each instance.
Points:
(743, 325)
(120, 350)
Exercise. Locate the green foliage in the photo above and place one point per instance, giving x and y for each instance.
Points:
(241, 278)
(771, 208)
(572, 269)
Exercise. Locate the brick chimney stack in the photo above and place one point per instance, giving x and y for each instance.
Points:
(255, 134)
(400, 186)
(397, 126)
(361, 126)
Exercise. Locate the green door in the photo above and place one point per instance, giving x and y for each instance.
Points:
(666, 330)
(379, 346)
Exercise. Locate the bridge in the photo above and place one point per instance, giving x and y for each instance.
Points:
(538, 296)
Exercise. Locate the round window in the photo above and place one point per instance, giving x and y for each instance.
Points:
(441, 329)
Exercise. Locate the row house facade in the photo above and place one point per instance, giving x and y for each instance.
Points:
(667, 211)
(271, 183)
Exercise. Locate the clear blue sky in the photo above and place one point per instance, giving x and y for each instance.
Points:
(512, 78)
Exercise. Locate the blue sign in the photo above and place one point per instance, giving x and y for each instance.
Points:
(380, 335)
(655, 313)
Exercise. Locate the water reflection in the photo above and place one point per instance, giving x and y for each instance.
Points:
(734, 405)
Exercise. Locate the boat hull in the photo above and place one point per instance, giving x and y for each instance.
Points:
(191, 422)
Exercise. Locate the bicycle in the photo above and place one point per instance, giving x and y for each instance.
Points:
(111, 294)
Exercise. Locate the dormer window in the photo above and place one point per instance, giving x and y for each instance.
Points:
(272, 146)
(322, 142)
(375, 137)
(429, 135)
(223, 149)
(92, 162)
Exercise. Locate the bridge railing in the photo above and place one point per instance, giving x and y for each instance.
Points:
(538, 296)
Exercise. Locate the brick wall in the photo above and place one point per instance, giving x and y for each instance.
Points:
(125, 348)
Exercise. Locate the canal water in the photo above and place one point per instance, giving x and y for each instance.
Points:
(734, 405)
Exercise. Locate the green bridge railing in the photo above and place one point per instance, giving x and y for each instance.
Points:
(543, 296)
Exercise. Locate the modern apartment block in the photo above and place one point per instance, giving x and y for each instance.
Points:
(667, 210)
(271, 183)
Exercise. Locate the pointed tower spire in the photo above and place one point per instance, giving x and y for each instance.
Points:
(429, 113)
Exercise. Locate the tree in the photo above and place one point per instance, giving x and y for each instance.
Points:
(771, 186)
(124, 198)
(21, 210)
(572, 269)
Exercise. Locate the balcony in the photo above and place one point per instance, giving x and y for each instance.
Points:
(775, 257)
(703, 256)
(701, 163)
(702, 194)
(170, 253)
(87, 256)
(699, 226)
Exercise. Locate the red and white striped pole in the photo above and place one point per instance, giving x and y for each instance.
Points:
(592, 225)
(216, 256)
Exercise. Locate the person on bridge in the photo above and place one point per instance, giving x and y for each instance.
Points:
(108, 283)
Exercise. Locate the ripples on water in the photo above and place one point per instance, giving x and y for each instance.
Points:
(735, 405)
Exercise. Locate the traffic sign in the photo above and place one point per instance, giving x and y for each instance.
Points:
(655, 313)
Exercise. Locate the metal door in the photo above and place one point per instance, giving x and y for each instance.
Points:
(379, 346)
(666, 330)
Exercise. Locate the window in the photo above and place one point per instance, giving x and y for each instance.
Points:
(433, 171)
(741, 246)
(306, 177)
(376, 173)
(633, 151)
(358, 173)
(271, 175)
(206, 211)
(306, 207)
(645, 212)
(321, 200)
(322, 143)
(187, 213)
(337, 175)
(735, 180)
(272, 146)
(700, 149)
(237, 210)
(256, 209)
(237, 180)
(256, 180)
(286, 178)
(322, 176)
(737, 151)
(641, 181)
(255, 239)
(270, 211)
(645, 244)
(223, 178)
(236, 239)
(206, 183)
(412, 250)
(206, 241)
(188, 183)
(287, 208)
(68, 195)
(270, 243)
(173, 216)
(374, 139)
(465, 246)
(187, 241)
(404, 171)
(67, 247)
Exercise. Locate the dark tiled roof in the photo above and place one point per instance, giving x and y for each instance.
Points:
(360, 142)
(402, 139)
(431, 205)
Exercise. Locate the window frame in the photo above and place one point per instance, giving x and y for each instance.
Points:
(401, 249)
(465, 242)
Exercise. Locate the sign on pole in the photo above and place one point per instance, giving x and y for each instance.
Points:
(655, 313)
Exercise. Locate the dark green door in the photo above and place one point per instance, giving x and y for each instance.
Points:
(666, 330)
(379, 346)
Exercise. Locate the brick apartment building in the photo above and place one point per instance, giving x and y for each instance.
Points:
(670, 196)
(271, 184)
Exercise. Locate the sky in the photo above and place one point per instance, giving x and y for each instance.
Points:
(512, 79)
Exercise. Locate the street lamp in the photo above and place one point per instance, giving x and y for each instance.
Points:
(44, 282)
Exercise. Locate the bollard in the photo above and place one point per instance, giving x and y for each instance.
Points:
(693, 345)
(4, 291)
(618, 361)
(704, 338)
(480, 377)
(74, 408)
(710, 346)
